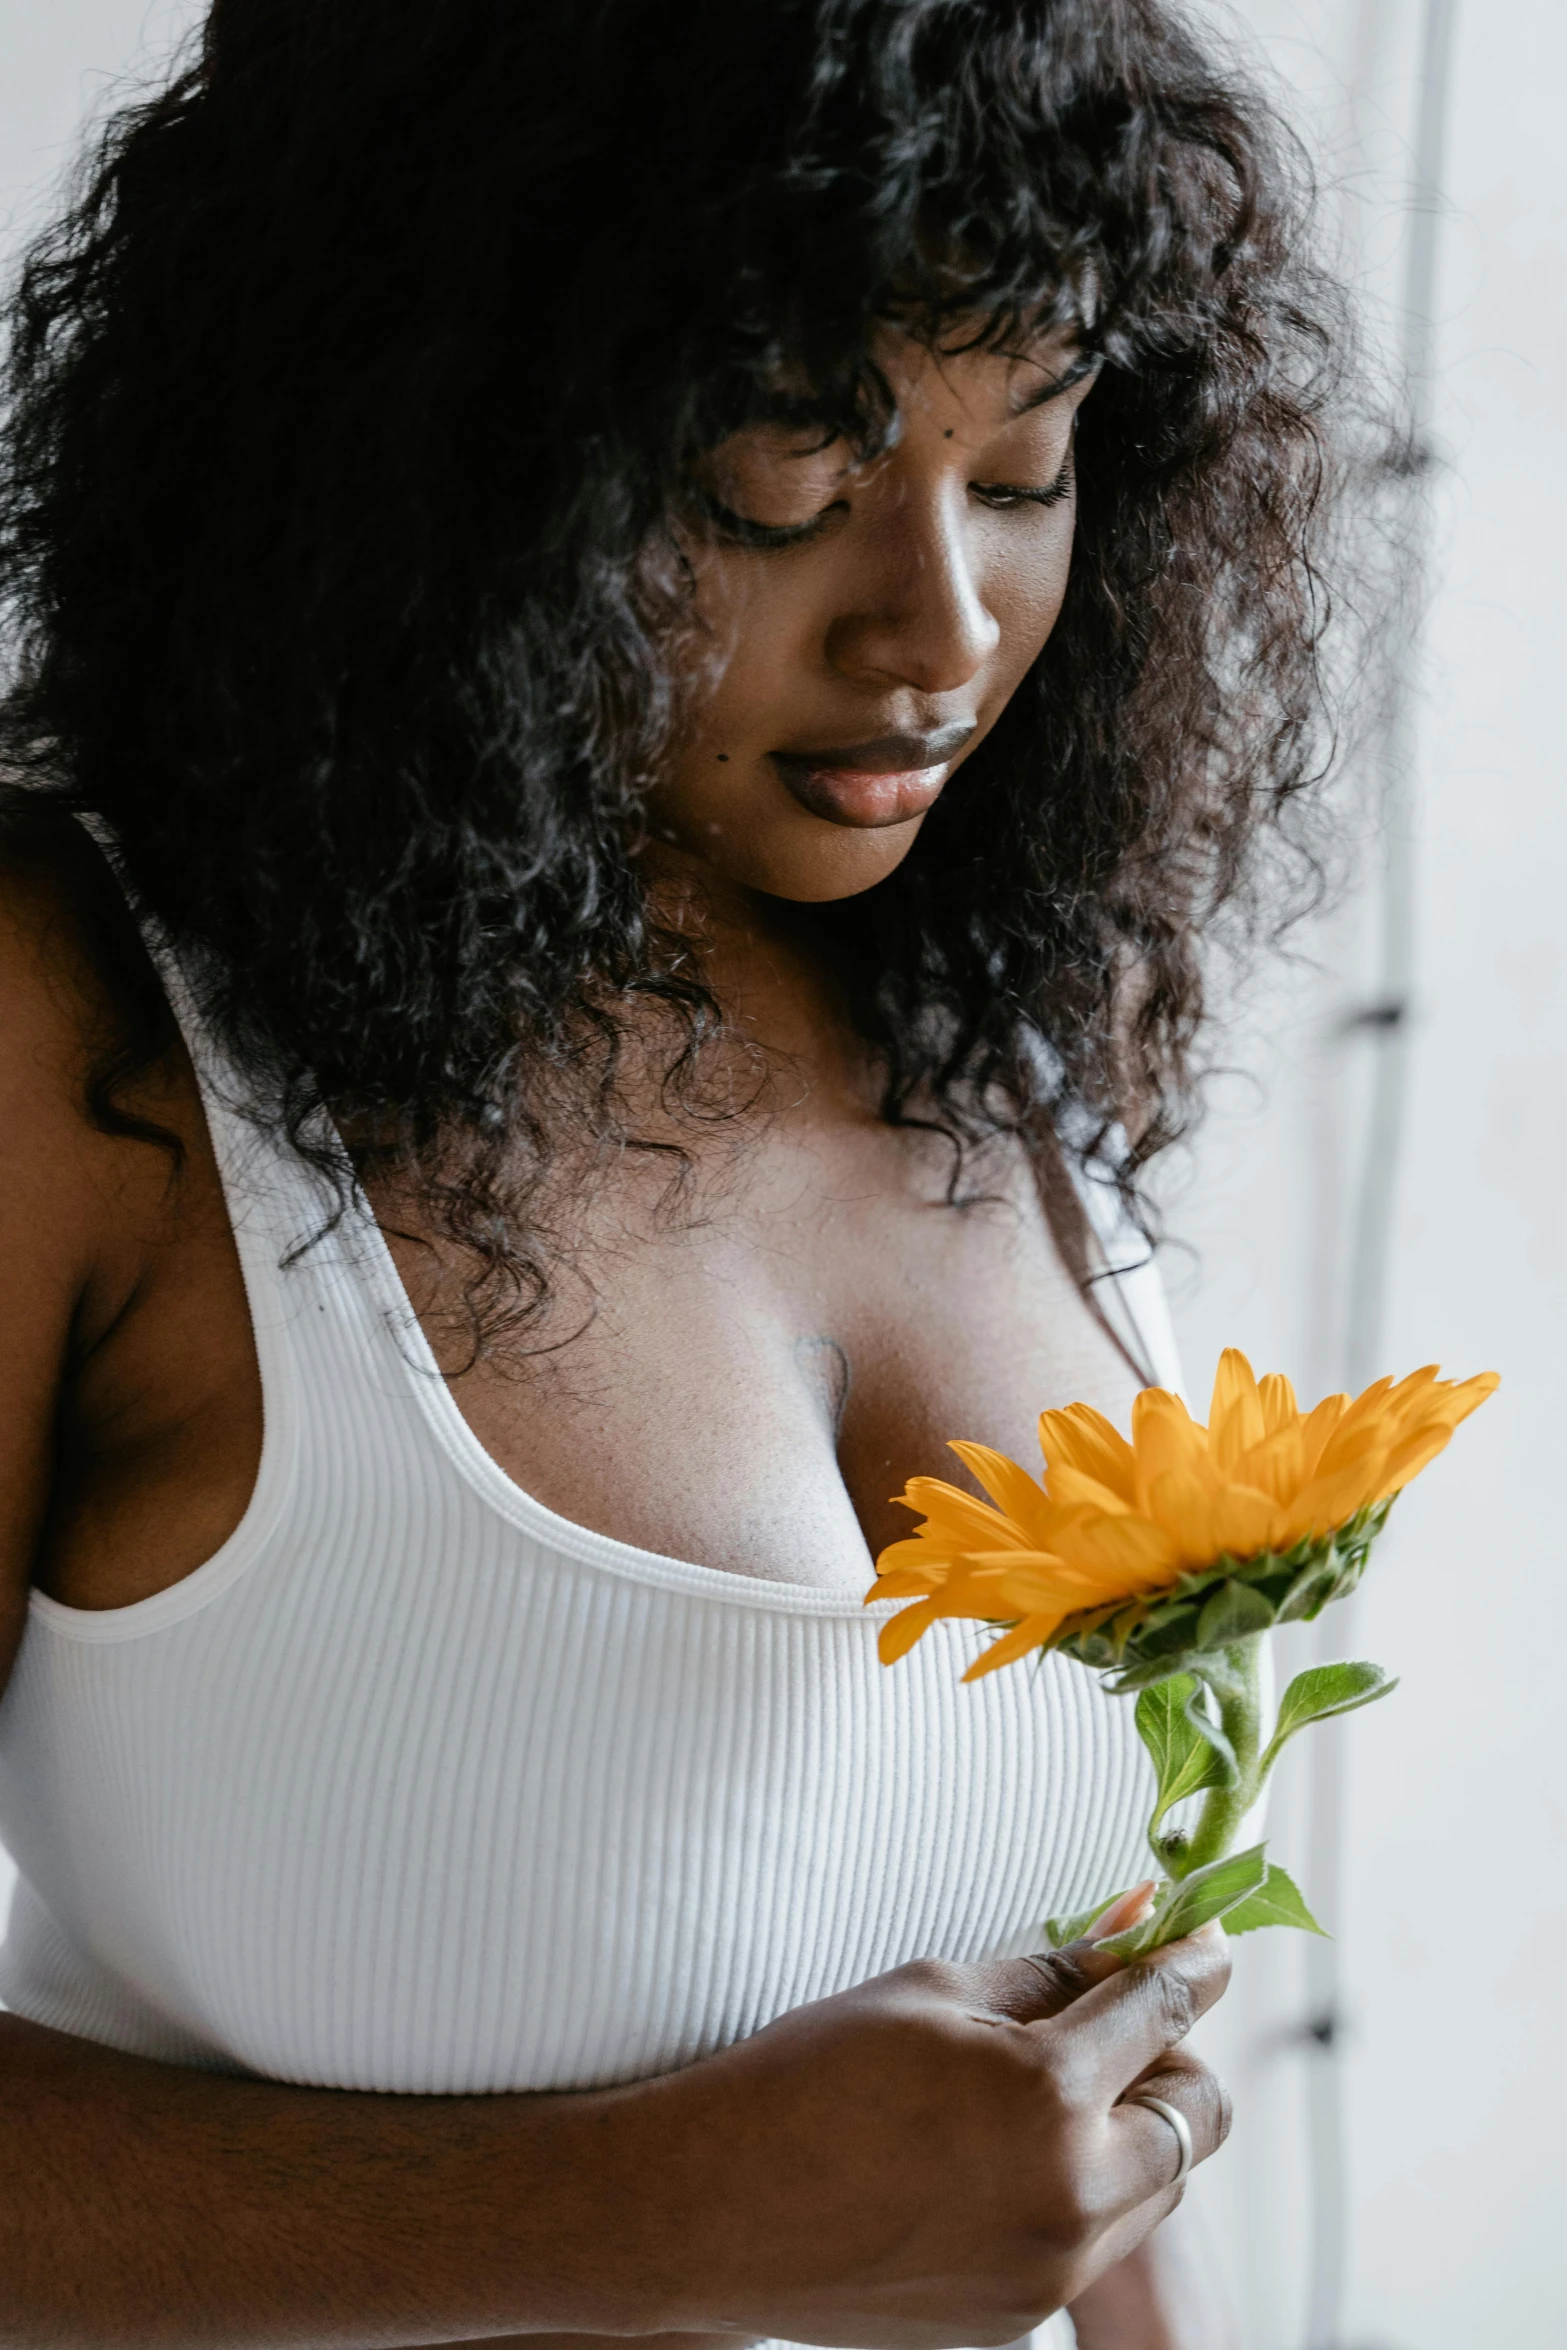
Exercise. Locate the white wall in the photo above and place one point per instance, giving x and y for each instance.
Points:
(1452, 1909)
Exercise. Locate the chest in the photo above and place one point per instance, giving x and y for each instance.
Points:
(752, 1376)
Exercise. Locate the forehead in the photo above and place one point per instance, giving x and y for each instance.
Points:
(989, 383)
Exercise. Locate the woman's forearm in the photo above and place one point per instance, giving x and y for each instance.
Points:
(1156, 2299)
(937, 2150)
(145, 2204)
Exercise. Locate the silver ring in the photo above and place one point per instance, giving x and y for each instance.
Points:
(1178, 2123)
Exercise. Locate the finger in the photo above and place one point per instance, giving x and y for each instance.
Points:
(1032, 1989)
(1148, 2153)
(1100, 2043)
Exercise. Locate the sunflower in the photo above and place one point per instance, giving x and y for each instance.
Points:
(1141, 1556)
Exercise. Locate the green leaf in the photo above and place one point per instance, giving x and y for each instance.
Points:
(1276, 1902)
(1319, 1693)
(1186, 1756)
(1234, 1612)
(1206, 1894)
(1060, 1931)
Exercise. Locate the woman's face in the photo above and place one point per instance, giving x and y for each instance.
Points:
(869, 623)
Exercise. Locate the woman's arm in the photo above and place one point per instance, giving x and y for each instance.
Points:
(1156, 2299)
(937, 2156)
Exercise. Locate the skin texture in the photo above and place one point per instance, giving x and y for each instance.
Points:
(917, 598)
(938, 2157)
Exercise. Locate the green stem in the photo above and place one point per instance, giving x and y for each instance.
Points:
(1234, 1680)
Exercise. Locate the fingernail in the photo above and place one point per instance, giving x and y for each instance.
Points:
(1129, 1910)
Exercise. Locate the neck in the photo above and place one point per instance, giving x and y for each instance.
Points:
(756, 954)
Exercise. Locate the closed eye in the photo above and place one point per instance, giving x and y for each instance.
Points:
(1003, 494)
(741, 530)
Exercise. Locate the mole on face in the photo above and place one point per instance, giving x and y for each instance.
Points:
(723, 758)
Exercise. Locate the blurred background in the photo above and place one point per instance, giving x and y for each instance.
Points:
(1374, 1187)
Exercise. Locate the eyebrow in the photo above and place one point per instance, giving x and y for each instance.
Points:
(1054, 385)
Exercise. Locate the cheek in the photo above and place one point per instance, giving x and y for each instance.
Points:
(1025, 592)
(752, 644)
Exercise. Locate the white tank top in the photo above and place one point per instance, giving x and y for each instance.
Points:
(417, 1786)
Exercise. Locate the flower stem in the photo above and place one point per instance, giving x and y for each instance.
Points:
(1233, 1677)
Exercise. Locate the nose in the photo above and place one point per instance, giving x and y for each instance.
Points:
(914, 615)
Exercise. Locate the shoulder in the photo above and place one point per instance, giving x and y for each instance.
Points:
(90, 1057)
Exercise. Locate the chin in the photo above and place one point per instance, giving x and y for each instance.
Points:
(814, 872)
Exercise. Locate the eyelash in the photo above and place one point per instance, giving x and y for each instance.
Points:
(1001, 496)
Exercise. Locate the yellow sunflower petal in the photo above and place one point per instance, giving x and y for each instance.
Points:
(960, 1517)
(1030, 1634)
(1083, 1440)
(1235, 1420)
(1011, 1488)
(1368, 1407)
(1406, 1460)
(1120, 1551)
(1473, 1392)
(896, 1638)
(1167, 1441)
(1075, 1489)
(1279, 1407)
(1333, 1500)
(1318, 1425)
(1352, 1441)
(1244, 1520)
(1276, 1466)
(1186, 1506)
(907, 1581)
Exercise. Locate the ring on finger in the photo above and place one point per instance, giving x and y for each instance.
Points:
(1178, 2123)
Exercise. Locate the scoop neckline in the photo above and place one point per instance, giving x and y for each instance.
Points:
(495, 1486)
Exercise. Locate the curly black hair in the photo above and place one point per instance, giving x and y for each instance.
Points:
(348, 411)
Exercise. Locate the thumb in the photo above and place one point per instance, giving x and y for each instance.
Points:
(1031, 1990)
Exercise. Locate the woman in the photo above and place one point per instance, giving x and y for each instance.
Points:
(642, 642)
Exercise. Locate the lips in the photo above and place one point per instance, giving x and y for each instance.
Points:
(889, 780)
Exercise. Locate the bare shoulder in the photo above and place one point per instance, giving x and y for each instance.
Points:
(75, 1198)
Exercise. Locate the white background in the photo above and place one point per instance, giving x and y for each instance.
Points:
(1451, 1912)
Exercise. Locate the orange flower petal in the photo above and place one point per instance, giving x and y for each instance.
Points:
(1406, 1460)
(1084, 1440)
(1122, 1552)
(906, 1582)
(1316, 1428)
(1032, 1633)
(1244, 1520)
(1235, 1418)
(1075, 1489)
(1333, 1500)
(1352, 1441)
(1011, 1488)
(896, 1638)
(1279, 1407)
(1186, 1506)
(961, 1517)
(1276, 1466)
(1167, 1441)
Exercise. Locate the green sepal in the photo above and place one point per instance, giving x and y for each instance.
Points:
(1233, 1612)
(1319, 1693)
(1277, 1902)
(1146, 1640)
(1194, 1901)
(1189, 1750)
(1060, 1931)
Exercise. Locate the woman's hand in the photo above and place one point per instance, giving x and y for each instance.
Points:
(943, 2155)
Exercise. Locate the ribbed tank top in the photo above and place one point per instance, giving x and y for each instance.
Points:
(418, 1786)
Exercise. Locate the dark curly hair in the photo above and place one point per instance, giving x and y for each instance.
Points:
(349, 409)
